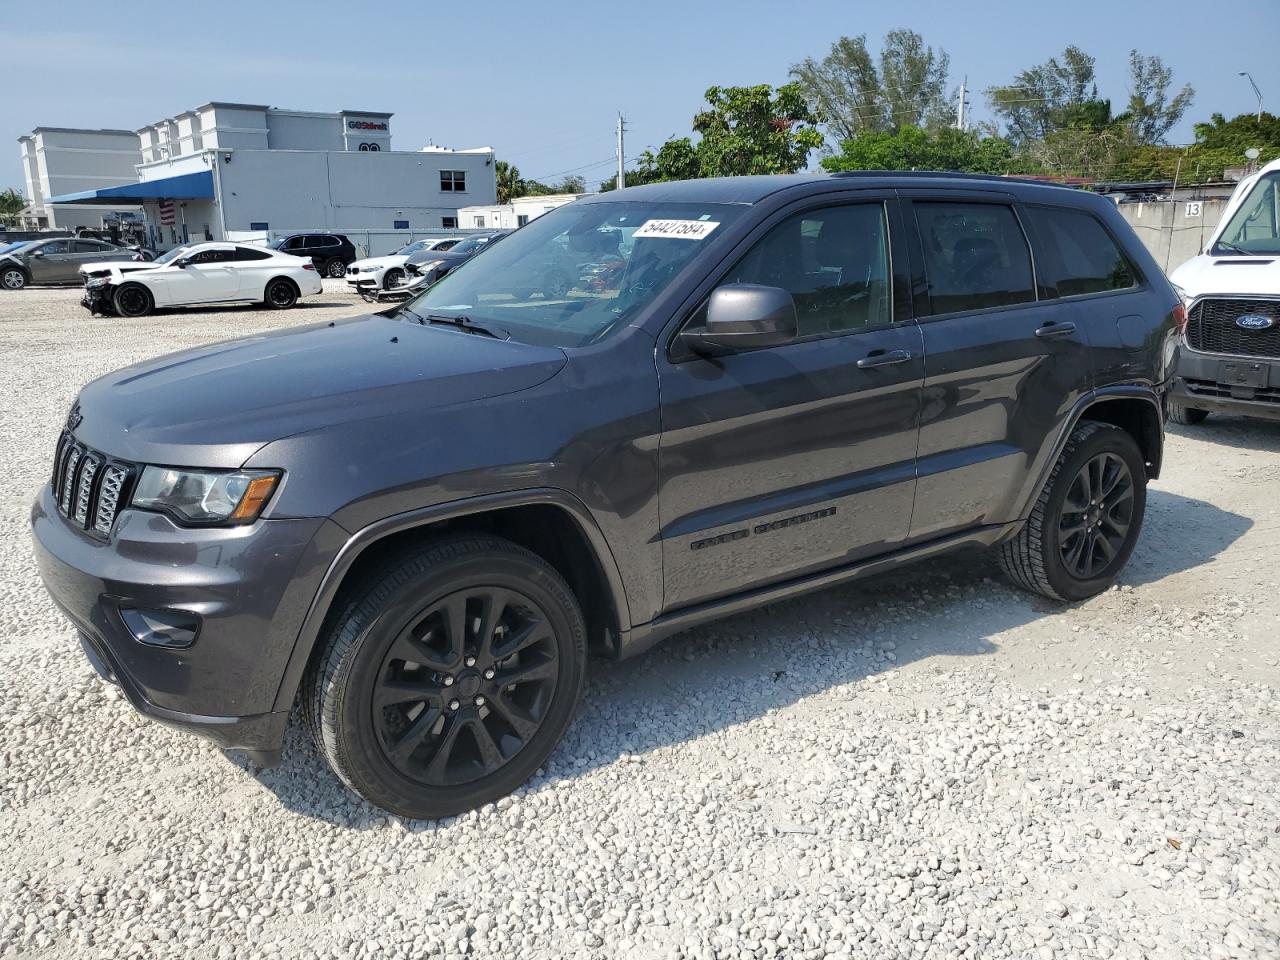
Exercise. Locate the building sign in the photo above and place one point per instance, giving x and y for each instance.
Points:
(366, 125)
(1193, 209)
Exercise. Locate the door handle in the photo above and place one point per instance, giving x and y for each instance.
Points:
(1051, 330)
(883, 359)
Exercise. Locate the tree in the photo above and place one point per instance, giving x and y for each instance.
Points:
(1152, 114)
(749, 130)
(631, 178)
(572, 184)
(508, 179)
(11, 204)
(853, 96)
(1050, 96)
(913, 148)
(677, 159)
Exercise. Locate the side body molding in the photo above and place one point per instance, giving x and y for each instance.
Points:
(454, 509)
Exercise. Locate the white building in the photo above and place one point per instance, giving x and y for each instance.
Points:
(234, 171)
(508, 216)
(62, 160)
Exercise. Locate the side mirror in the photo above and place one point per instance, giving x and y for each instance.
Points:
(744, 316)
(182, 262)
(37, 253)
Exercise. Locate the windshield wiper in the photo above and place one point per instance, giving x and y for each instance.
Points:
(1232, 248)
(464, 322)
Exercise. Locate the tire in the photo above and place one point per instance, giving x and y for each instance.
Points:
(335, 269)
(1070, 554)
(280, 294)
(392, 278)
(133, 300)
(1187, 416)
(13, 278)
(391, 756)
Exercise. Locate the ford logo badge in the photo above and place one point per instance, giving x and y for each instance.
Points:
(1255, 321)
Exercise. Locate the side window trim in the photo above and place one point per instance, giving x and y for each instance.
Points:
(921, 302)
(899, 275)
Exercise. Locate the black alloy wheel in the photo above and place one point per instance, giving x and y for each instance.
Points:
(281, 294)
(465, 686)
(1096, 516)
(133, 300)
(447, 675)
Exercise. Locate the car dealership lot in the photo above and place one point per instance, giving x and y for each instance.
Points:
(929, 764)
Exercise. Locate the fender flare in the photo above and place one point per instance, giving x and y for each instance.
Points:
(369, 535)
(1089, 400)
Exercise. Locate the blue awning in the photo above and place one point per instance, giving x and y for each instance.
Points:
(186, 186)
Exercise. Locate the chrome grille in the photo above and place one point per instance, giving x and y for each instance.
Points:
(1212, 327)
(89, 486)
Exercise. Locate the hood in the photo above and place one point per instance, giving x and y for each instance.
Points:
(1229, 276)
(117, 266)
(216, 405)
(390, 260)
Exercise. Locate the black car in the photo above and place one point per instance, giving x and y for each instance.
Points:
(434, 264)
(417, 523)
(330, 252)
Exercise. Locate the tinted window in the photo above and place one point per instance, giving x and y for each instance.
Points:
(55, 246)
(834, 261)
(91, 246)
(1088, 259)
(975, 256)
(213, 256)
(249, 253)
(294, 243)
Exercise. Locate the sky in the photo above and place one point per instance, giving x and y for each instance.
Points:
(543, 83)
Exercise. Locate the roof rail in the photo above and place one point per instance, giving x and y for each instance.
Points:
(947, 175)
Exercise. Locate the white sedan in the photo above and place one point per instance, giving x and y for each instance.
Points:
(197, 274)
(383, 273)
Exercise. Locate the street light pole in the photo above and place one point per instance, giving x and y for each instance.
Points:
(1256, 92)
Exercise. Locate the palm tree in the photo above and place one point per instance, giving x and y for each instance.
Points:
(510, 185)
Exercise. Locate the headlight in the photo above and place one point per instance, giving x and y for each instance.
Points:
(428, 266)
(1180, 292)
(368, 269)
(206, 496)
(94, 282)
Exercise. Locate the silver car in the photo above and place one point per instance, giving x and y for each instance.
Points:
(55, 261)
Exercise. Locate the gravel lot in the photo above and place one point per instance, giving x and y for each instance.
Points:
(934, 766)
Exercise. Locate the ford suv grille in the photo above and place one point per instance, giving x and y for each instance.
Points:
(89, 486)
(1212, 327)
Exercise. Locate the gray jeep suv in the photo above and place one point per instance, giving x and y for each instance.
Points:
(417, 523)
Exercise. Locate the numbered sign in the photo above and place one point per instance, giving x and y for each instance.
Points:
(1193, 209)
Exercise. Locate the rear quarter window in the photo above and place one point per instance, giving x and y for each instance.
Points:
(1085, 257)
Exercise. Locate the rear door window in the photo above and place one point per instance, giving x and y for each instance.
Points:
(975, 256)
(249, 253)
(1088, 260)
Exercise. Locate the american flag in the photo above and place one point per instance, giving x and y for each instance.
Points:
(166, 213)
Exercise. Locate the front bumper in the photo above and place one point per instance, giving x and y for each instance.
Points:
(250, 587)
(1247, 386)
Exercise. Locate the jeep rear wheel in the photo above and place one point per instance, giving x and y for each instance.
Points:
(449, 677)
(1087, 519)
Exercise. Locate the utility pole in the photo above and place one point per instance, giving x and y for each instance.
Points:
(961, 105)
(1256, 92)
(622, 176)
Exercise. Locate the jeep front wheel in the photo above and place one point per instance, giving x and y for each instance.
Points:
(1087, 519)
(448, 677)
(1187, 416)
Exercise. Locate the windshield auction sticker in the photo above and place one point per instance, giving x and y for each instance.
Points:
(676, 229)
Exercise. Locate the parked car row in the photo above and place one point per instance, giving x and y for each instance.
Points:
(385, 272)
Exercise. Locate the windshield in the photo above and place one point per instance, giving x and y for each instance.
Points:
(414, 247)
(1255, 227)
(172, 255)
(577, 273)
(470, 246)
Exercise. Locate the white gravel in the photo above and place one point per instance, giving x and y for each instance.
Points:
(926, 766)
